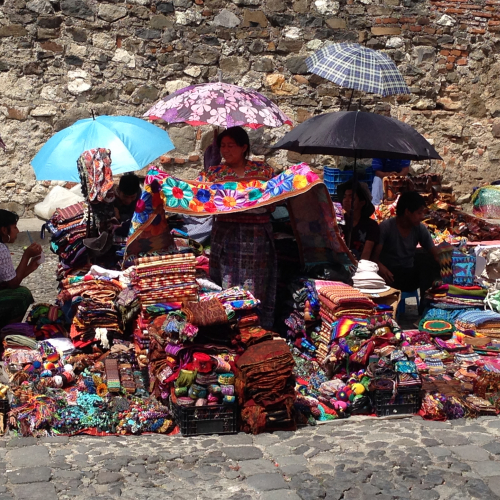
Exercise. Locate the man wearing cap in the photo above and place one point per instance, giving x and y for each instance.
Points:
(385, 167)
(365, 231)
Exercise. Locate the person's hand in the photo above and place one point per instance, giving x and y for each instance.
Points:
(33, 250)
(386, 274)
(32, 266)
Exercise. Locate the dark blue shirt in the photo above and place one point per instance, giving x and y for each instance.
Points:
(389, 165)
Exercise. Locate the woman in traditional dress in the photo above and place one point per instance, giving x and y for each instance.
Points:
(14, 299)
(242, 246)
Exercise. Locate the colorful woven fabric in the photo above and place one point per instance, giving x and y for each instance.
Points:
(436, 327)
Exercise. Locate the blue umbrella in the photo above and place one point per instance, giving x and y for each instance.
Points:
(353, 66)
(133, 143)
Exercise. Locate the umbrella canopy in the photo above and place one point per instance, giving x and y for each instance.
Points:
(133, 143)
(353, 66)
(219, 104)
(359, 135)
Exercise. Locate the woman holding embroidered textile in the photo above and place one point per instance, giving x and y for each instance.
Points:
(242, 246)
(14, 299)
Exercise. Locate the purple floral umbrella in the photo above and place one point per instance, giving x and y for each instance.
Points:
(219, 104)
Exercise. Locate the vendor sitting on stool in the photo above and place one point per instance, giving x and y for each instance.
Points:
(365, 231)
(14, 299)
(127, 193)
(385, 167)
(401, 264)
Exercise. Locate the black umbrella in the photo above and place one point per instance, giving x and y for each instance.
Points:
(357, 135)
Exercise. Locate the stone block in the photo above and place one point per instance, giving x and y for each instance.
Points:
(267, 482)
(382, 31)
(160, 22)
(259, 466)
(184, 139)
(111, 13)
(226, 19)
(493, 151)
(17, 113)
(242, 452)
(297, 65)
(40, 6)
(253, 18)
(336, 23)
(52, 46)
(29, 475)
(14, 30)
(234, 65)
(77, 8)
(471, 453)
(263, 65)
(49, 22)
(46, 33)
(204, 55)
(37, 490)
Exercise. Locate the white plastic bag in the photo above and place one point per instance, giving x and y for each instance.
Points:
(58, 197)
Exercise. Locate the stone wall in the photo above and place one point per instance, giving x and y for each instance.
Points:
(61, 59)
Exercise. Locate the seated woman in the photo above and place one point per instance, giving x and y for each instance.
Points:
(14, 299)
(365, 231)
(242, 249)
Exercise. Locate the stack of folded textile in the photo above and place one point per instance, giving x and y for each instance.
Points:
(165, 278)
(485, 323)
(68, 228)
(338, 300)
(456, 297)
(366, 277)
(265, 387)
(92, 303)
(240, 305)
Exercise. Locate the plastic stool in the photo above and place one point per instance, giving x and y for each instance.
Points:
(404, 296)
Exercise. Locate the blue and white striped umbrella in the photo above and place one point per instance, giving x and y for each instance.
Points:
(353, 66)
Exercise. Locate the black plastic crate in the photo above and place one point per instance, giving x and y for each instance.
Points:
(406, 402)
(198, 420)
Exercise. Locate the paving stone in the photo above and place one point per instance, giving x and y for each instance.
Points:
(67, 474)
(439, 451)
(280, 495)
(55, 440)
(284, 434)
(493, 447)
(290, 470)
(266, 482)
(21, 442)
(259, 466)
(487, 468)
(108, 477)
(29, 475)
(243, 452)
(471, 453)
(494, 483)
(34, 491)
(136, 469)
(495, 424)
(452, 438)
(28, 456)
(236, 439)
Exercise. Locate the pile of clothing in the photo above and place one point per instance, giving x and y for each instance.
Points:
(68, 228)
(485, 323)
(165, 278)
(338, 300)
(90, 304)
(265, 387)
(456, 297)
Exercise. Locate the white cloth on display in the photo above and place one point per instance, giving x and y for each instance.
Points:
(366, 276)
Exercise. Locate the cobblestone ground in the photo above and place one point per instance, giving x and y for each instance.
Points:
(348, 459)
(354, 459)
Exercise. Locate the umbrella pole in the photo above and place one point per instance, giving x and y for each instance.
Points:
(350, 100)
(351, 210)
